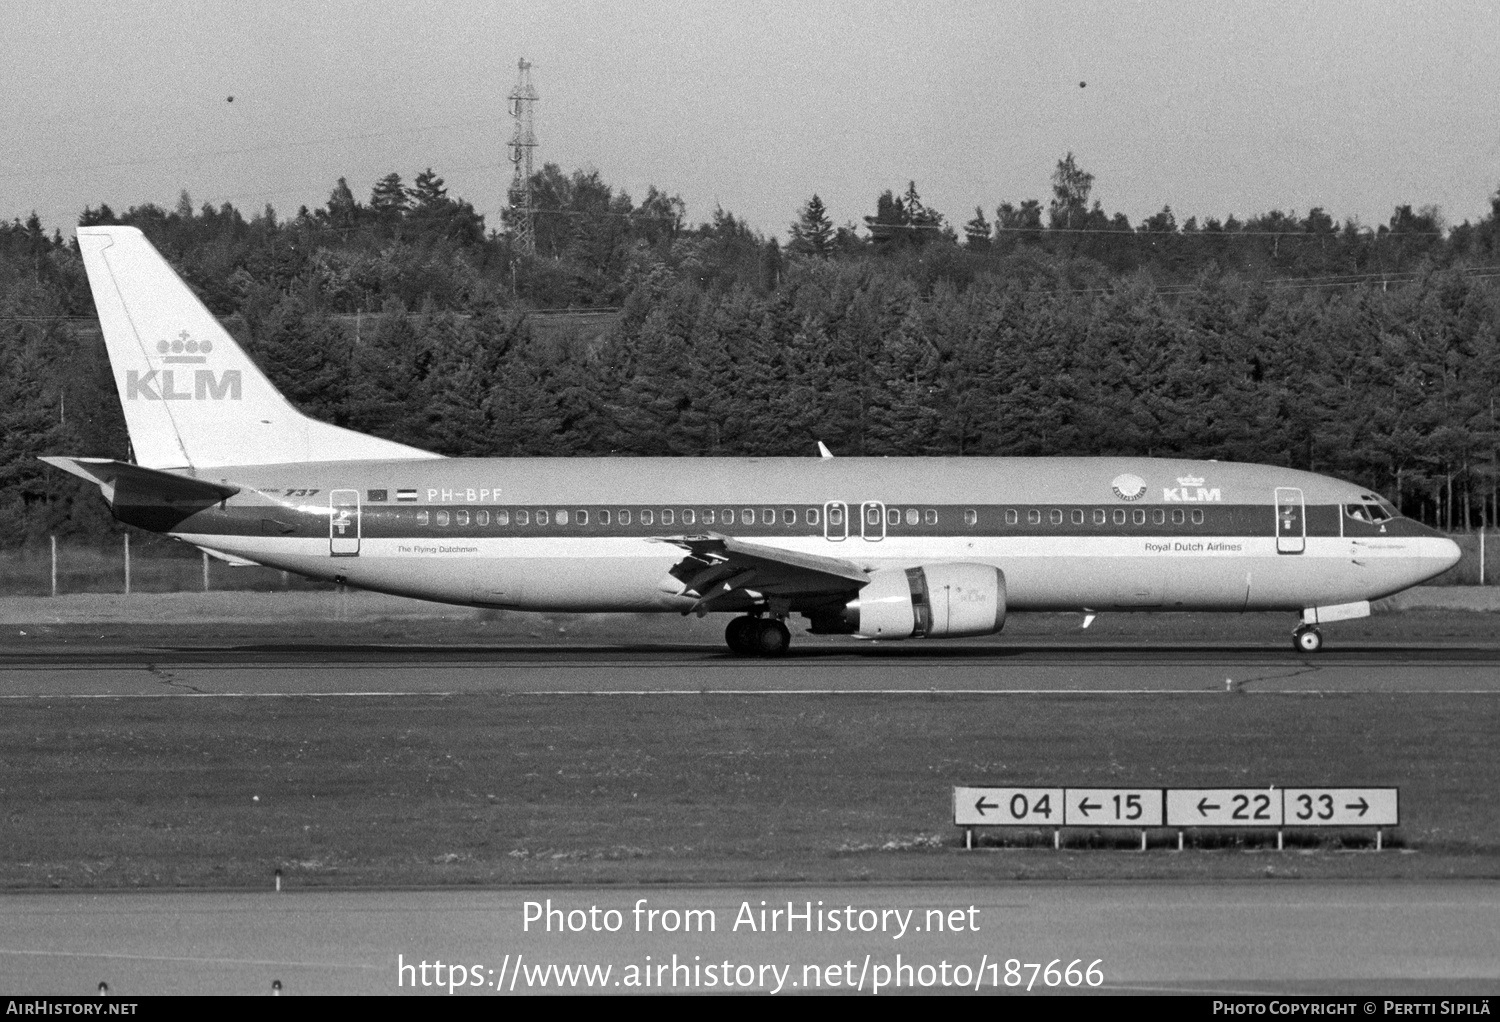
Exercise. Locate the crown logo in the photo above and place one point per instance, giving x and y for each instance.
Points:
(1189, 481)
(184, 349)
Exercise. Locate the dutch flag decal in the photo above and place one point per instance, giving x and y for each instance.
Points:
(406, 496)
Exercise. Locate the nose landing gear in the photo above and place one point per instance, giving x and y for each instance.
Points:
(1307, 639)
(757, 636)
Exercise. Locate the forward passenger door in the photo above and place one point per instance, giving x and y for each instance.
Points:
(1291, 521)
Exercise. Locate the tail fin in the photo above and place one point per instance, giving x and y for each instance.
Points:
(192, 397)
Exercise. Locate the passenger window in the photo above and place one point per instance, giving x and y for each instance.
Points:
(422, 518)
(872, 516)
(971, 516)
(1138, 516)
(1077, 516)
(581, 517)
(768, 516)
(523, 517)
(603, 517)
(1100, 518)
(1119, 516)
(1158, 517)
(461, 517)
(930, 516)
(688, 517)
(789, 516)
(666, 516)
(562, 518)
(502, 517)
(1197, 516)
(541, 518)
(1011, 518)
(708, 516)
(913, 516)
(442, 519)
(482, 518)
(747, 515)
(1033, 517)
(836, 515)
(728, 516)
(811, 516)
(1055, 516)
(893, 516)
(646, 517)
(624, 516)
(1178, 517)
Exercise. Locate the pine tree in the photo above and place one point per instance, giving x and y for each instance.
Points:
(812, 233)
(389, 199)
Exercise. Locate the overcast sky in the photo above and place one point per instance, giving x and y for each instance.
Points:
(1215, 108)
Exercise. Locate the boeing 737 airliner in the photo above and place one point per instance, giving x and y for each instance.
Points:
(883, 548)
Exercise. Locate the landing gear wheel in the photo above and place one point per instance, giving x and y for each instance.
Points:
(1307, 639)
(740, 635)
(770, 638)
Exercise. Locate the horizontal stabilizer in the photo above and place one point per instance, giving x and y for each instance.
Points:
(117, 478)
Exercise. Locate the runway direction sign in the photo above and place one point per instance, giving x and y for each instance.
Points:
(1224, 807)
(1008, 807)
(1113, 807)
(1341, 807)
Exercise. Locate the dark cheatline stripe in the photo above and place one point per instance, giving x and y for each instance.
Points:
(384, 521)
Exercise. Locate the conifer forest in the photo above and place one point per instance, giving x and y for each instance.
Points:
(1043, 326)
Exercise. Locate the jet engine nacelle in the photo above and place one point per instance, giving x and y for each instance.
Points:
(937, 601)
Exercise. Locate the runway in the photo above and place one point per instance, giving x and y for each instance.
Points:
(1223, 940)
(368, 670)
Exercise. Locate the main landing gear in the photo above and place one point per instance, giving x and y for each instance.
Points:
(757, 636)
(1307, 639)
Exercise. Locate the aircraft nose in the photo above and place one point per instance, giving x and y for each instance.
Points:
(1442, 551)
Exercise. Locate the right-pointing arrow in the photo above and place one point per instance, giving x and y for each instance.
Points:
(1361, 805)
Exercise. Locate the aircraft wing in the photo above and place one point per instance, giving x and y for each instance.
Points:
(717, 566)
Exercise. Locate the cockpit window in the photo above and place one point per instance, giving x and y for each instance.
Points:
(1373, 510)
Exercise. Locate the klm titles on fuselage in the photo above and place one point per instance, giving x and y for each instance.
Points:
(1190, 490)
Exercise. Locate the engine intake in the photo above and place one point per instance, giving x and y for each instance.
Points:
(936, 601)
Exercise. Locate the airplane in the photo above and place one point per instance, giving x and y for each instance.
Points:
(877, 548)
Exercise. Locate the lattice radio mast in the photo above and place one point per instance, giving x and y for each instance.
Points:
(522, 142)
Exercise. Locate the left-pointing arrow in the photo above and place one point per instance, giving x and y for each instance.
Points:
(982, 805)
(1085, 807)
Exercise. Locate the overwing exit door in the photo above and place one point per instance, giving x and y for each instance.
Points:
(835, 521)
(343, 523)
(1291, 521)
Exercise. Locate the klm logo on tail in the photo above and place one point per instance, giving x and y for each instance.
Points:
(162, 384)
